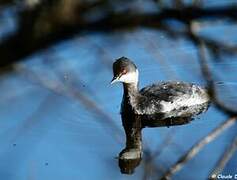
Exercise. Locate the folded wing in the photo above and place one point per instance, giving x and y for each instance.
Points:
(172, 99)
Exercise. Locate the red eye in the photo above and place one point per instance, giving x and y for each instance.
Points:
(124, 71)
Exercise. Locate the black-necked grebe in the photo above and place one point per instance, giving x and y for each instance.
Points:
(163, 104)
(163, 100)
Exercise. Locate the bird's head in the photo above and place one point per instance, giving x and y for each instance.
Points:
(125, 71)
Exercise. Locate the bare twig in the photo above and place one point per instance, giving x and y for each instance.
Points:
(230, 150)
(166, 142)
(69, 91)
(210, 83)
(150, 166)
(32, 41)
(198, 146)
(32, 120)
(200, 43)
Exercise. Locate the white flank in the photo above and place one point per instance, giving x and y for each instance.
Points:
(185, 101)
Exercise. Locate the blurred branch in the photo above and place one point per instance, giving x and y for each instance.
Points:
(230, 150)
(210, 82)
(150, 166)
(47, 24)
(220, 105)
(151, 169)
(6, 2)
(59, 87)
(198, 146)
(32, 120)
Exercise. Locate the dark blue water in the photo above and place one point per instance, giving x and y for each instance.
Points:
(60, 116)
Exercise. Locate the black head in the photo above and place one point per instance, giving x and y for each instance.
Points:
(124, 71)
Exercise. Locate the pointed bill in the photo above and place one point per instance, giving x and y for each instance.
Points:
(114, 80)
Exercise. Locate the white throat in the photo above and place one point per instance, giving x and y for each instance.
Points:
(131, 77)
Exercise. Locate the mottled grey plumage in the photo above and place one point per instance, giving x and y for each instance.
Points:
(157, 101)
(172, 99)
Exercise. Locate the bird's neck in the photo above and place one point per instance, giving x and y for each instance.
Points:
(130, 91)
(130, 88)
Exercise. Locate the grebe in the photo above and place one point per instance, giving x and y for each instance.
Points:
(157, 101)
(163, 104)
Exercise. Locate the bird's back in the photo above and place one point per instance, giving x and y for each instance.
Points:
(172, 99)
